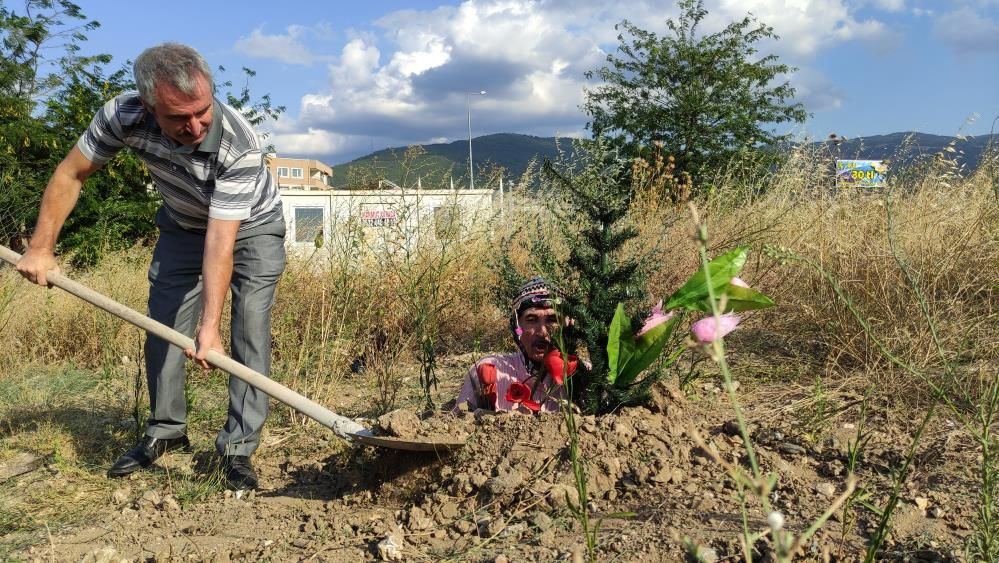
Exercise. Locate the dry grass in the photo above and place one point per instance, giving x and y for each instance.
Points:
(52, 327)
(948, 236)
(332, 311)
(360, 304)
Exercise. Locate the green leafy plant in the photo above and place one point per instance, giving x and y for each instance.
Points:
(984, 543)
(605, 279)
(423, 262)
(861, 496)
(630, 352)
(581, 509)
(816, 417)
(591, 204)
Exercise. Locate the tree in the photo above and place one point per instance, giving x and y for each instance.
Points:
(594, 221)
(45, 25)
(590, 196)
(703, 97)
(39, 51)
(255, 111)
(116, 208)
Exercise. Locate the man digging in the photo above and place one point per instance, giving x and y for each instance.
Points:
(220, 226)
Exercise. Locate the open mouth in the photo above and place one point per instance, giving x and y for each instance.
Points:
(541, 347)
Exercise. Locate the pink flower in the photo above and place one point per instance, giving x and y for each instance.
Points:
(706, 330)
(656, 318)
(738, 282)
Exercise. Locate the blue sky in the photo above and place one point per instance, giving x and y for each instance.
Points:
(362, 76)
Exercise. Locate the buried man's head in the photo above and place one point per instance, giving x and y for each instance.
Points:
(534, 318)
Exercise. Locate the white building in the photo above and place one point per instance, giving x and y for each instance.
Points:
(318, 221)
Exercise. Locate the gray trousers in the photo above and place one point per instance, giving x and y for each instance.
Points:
(175, 300)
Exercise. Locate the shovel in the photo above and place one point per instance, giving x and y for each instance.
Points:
(342, 426)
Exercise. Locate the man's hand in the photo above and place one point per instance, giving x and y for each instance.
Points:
(206, 339)
(36, 263)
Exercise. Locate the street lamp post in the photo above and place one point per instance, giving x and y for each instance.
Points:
(468, 108)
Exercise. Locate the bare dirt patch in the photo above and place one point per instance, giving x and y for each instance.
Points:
(507, 492)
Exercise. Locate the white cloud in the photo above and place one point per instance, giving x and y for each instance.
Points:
(357, 63)
(890, 5)
(311, 142)
(286, 47)
(529, 62)
(968, 31)
(807, 26)
(406, 81)
(816, 91)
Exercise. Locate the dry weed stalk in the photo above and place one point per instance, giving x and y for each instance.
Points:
(753, 483)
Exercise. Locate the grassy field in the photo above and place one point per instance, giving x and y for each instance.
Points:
(918, 265)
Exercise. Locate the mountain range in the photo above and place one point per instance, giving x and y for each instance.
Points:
(438, 164)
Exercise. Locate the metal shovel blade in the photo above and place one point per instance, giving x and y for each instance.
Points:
(425, 445)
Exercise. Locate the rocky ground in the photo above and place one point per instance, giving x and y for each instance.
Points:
(507, 495)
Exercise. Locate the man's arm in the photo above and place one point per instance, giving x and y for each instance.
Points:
(216, 273)
(58, 200)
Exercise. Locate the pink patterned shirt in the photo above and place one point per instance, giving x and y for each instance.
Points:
(509, 368)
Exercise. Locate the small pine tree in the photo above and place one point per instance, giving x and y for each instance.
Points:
(592, 209)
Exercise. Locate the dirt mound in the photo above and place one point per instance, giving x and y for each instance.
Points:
(512, 482)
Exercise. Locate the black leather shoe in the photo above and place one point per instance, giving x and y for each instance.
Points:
(238, 473)
(144, 453)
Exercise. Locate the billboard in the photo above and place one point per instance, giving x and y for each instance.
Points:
(861, 173)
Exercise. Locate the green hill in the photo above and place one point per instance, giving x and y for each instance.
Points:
(435, 165)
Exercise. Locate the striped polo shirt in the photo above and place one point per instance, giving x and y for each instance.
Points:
(223, 177)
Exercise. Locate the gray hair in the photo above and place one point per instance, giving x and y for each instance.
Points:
(173, 63)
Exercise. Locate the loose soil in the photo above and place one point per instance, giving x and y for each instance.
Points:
(508, 494)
